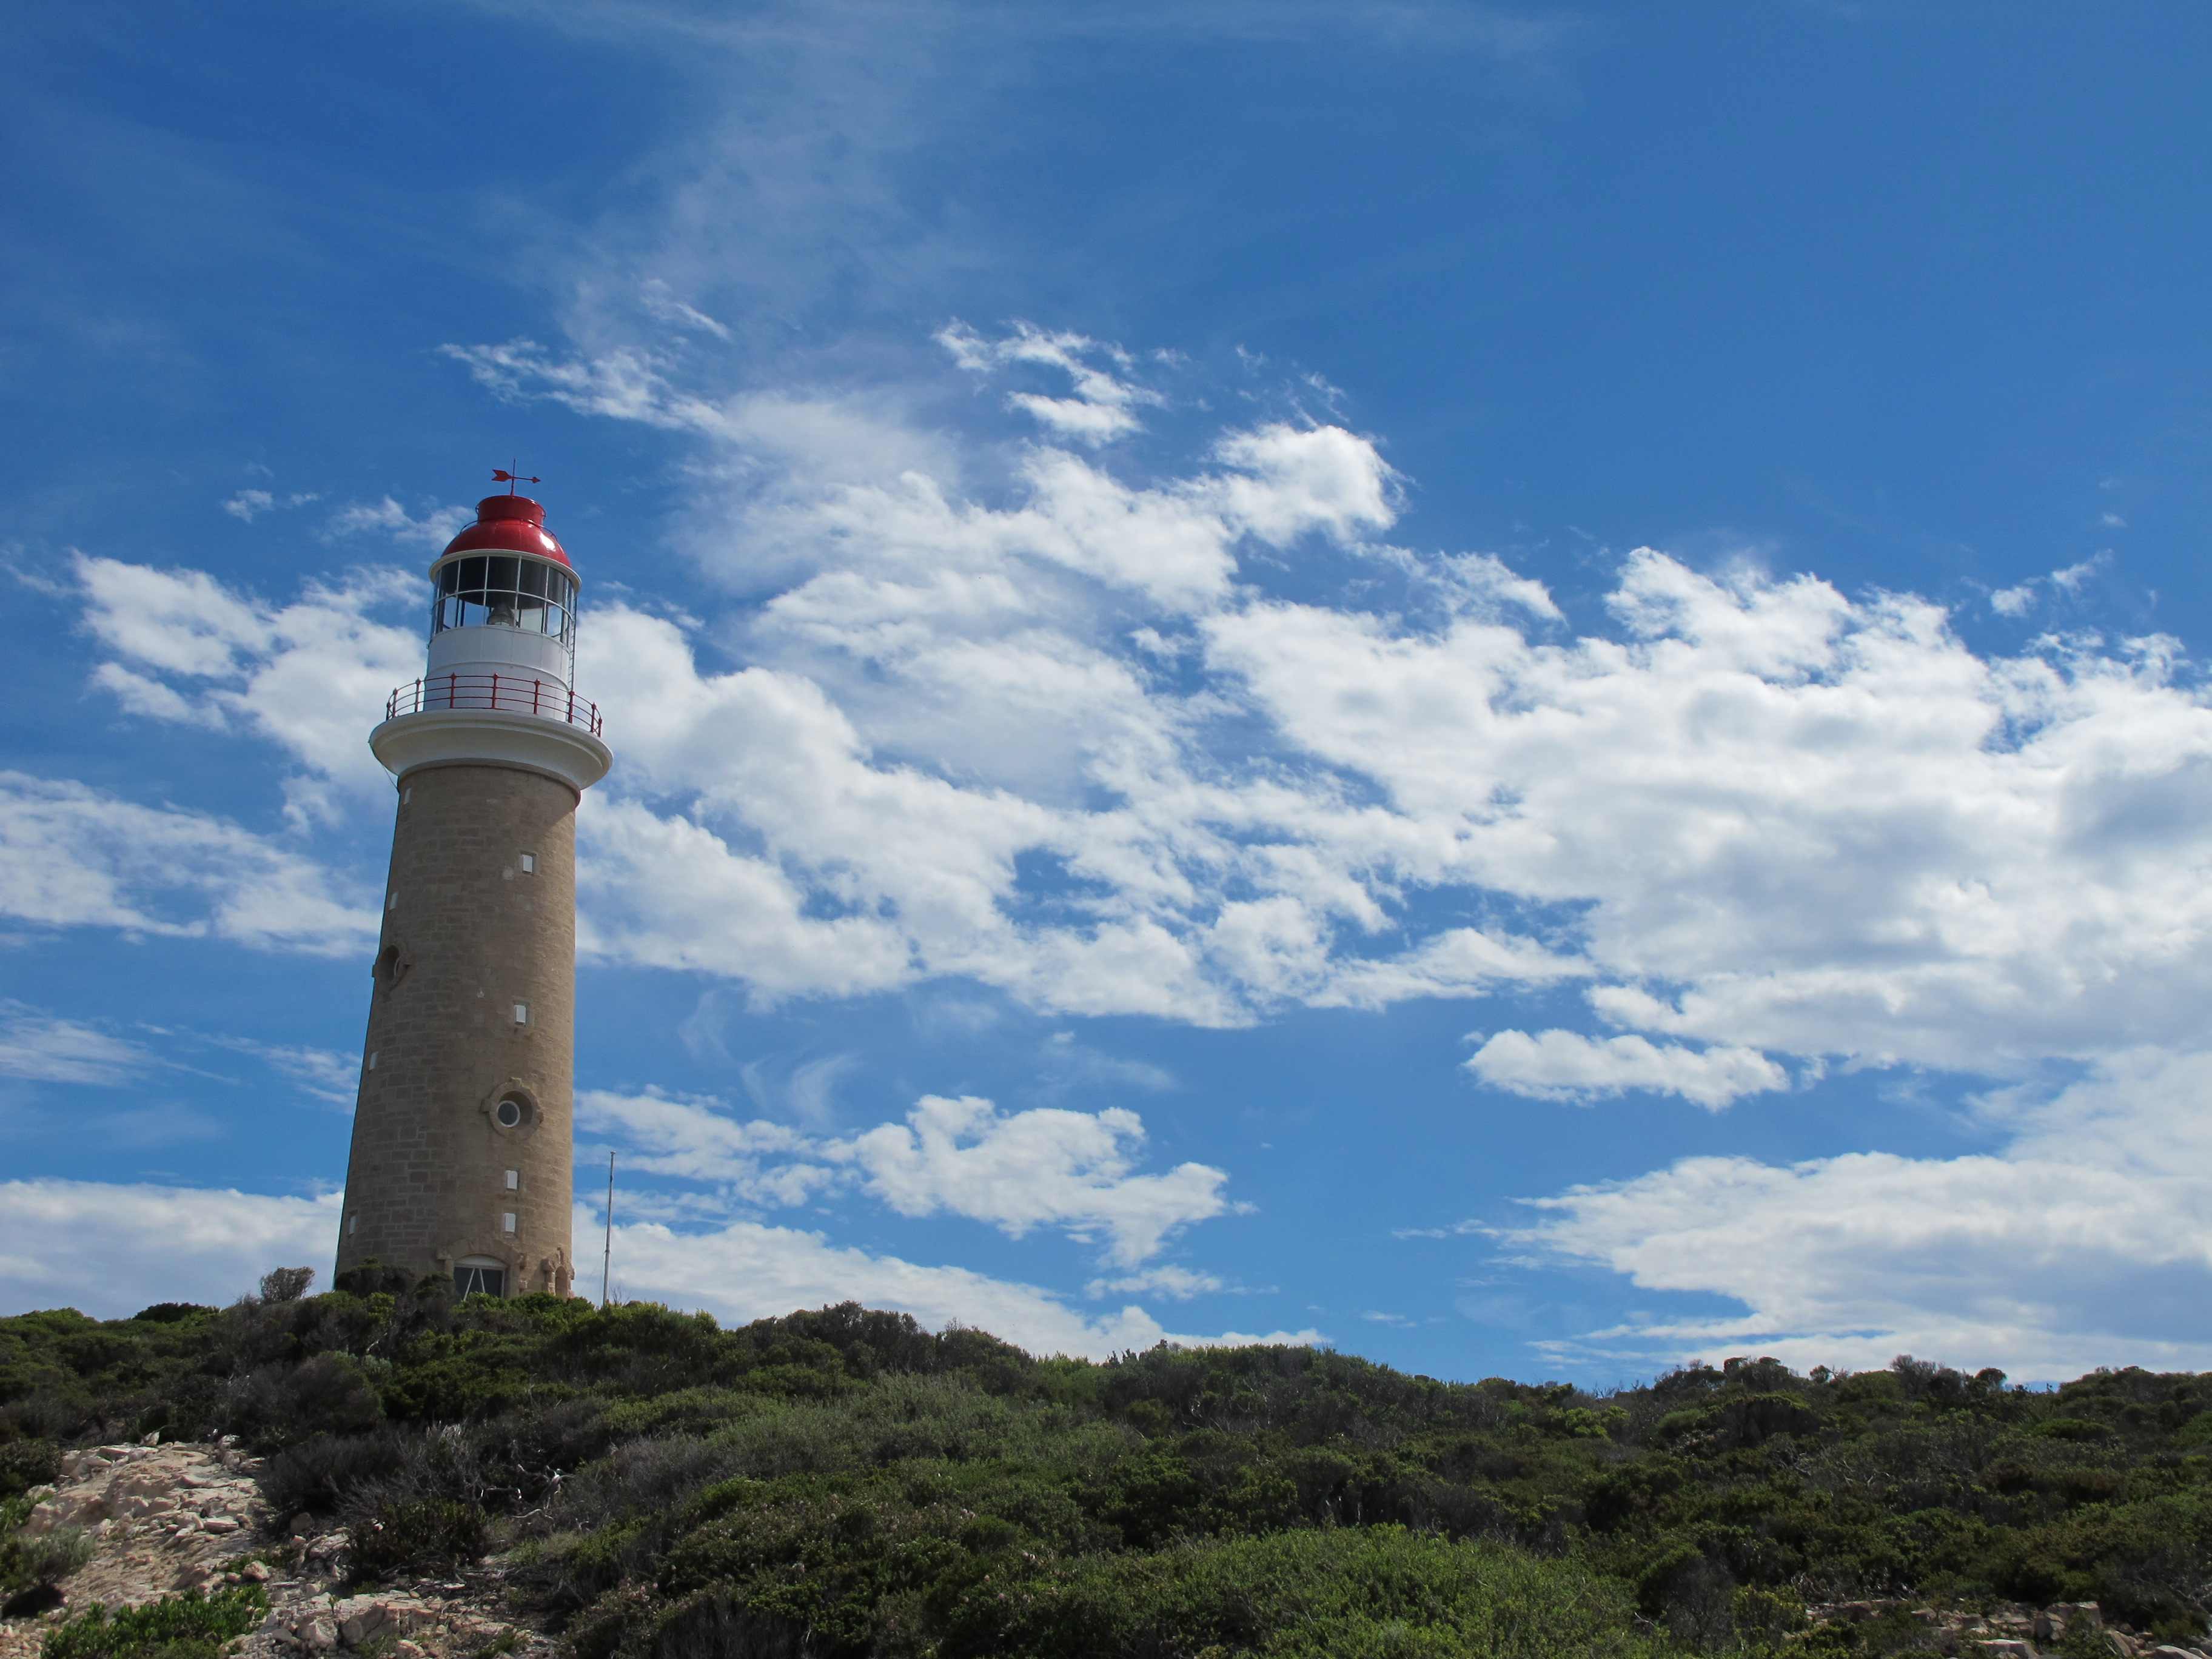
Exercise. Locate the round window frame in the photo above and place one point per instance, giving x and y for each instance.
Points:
(513, 1091)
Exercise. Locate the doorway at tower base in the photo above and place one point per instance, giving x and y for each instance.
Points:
(480, 1267)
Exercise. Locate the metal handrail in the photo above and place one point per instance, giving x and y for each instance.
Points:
(508, 693)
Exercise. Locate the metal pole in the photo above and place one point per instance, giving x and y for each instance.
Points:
(607, 1260)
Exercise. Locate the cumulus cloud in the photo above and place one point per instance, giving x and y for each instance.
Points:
(747, 1271)
(1041, 1168)
(2008, 1258)
(72, 856)
(759, 1163)
(1075, 1171)
(1062, 741)
(109, 1249)
(1567, 1065)
(311, 675)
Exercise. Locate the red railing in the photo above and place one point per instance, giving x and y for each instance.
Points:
(508, 693)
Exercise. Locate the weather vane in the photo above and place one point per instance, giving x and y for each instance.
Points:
(511, 479)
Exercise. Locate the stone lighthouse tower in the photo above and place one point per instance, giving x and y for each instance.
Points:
(462, 1143)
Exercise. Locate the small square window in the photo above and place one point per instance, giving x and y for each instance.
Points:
(371, 1059)
(353, 1224)
(522, 1014)
(507, 1221)
(392, 900)
(406, 795)
(514, 1180)
(529, 864)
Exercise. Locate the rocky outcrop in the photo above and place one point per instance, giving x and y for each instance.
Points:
(2012, 1631)
(164, 1518)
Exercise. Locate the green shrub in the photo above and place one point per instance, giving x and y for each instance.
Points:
(187, 1626)
(31, 1559)
(1380, 1592)
(428, 1536)
(27, 1463)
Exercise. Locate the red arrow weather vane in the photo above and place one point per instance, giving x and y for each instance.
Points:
(511, 479)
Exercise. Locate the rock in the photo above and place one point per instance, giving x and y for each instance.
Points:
(320, 1633)
(2121, 1643)
(2008, 1648)
(364, 1617)
(218, 1524)
(409, 1651)
(257, 1570)
(153, 1439)
(302, 1524)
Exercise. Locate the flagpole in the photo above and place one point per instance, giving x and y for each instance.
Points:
(606, 1259)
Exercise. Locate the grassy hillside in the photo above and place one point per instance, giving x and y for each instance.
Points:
(844, 1483)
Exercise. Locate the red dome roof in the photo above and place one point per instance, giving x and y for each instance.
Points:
(507, 523)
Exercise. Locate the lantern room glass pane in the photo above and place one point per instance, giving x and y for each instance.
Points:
(534, 578)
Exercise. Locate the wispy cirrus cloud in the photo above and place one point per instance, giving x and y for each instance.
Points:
(39, 1047)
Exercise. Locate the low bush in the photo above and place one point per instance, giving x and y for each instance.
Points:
(187, 1626)
(430, 1535)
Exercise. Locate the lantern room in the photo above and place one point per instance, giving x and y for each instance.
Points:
(506, 597)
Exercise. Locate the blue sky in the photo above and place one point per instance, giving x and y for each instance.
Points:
(1516, 688)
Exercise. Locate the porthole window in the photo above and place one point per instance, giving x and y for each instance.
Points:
(509, 1113)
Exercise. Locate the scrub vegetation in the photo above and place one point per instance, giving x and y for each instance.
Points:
(844, 1483)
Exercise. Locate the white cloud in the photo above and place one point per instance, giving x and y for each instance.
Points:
(1102, 406)
(110, 1249)
(1181, 1283)
(311, 676)
(661, 304)
(1062, 743)
(2011, 1259)
(2020, 600)
(1042, 1167)
(437, 525)
(1566, 1066)
(74, 857)
(249, 504)
(746, 1271)
(1045, 1167)
(695, 1141)
(36, 1046)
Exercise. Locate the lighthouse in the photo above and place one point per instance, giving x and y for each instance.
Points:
(462, 1137)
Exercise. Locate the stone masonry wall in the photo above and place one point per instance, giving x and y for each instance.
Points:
(468, 933)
